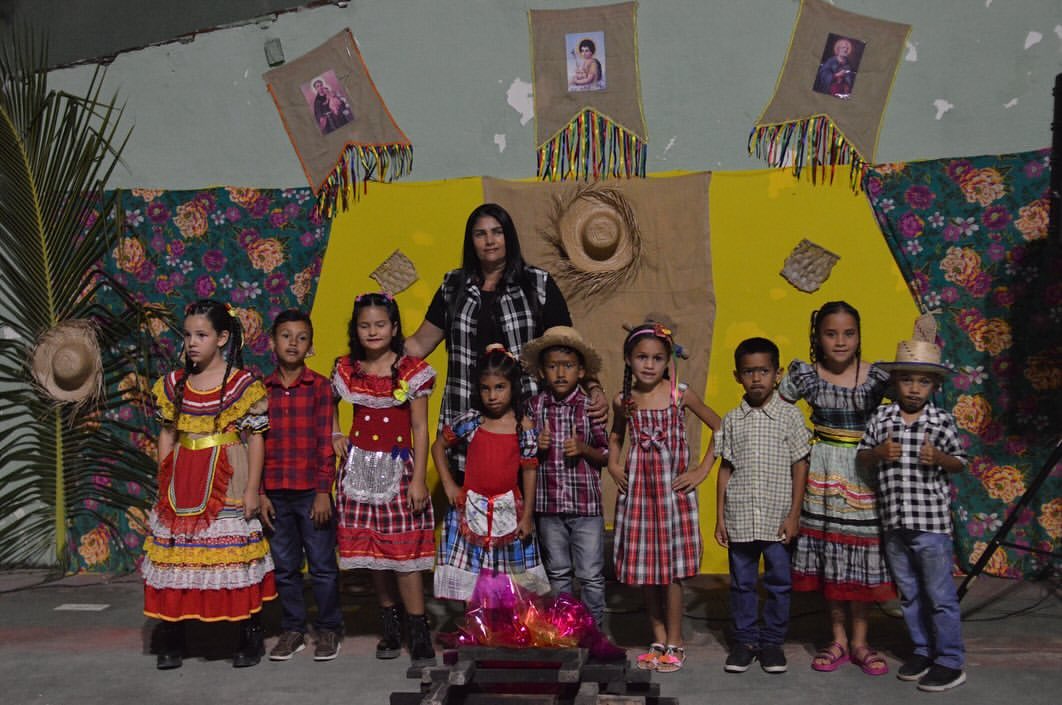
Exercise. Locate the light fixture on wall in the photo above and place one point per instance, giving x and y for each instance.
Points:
(274, 52)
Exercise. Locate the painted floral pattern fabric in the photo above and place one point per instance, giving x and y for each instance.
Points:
(258, 249)
(971, 238)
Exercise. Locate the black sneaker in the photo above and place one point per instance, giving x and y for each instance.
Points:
(327, 647)
(741, 656)
(941, 678)
(914, 668)
(772, 659)
(289, 644)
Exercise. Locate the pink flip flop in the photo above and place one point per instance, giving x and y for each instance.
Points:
(872, 662)
(833, 657)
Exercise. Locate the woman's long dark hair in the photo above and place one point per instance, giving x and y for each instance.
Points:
(817, 317)
(386, 302)
(222, 320)
(516, 271)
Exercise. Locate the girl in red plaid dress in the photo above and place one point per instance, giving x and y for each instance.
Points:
(384, 510)
(658, 539)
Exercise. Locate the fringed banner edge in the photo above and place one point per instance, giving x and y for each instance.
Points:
(817, 142)
(592, 145)
(361, 163)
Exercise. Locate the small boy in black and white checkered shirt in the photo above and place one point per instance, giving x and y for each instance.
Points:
(914, 445)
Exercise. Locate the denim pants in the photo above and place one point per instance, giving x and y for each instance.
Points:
(744, 599)
(293, 536)
(574, 545)
(921, 562)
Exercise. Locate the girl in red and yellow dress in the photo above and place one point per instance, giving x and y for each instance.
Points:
(385, 516)
(206, 558)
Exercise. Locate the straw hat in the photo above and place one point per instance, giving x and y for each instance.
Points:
(560, 336)
(920, 354)
(66, 362)
(598, 232)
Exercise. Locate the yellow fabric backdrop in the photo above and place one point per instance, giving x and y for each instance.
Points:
(757, 217)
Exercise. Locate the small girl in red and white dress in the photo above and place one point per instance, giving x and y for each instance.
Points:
(385, 519)
(206, 558)
(490, 521)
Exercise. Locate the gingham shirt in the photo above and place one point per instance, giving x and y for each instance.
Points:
(567, 485)
(298, 446)
(512, 314)
(761, 443)
(913, 495)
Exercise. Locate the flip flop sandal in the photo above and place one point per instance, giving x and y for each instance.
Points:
(650, 659)
(831, 658)
(872, 662)
(672, 660)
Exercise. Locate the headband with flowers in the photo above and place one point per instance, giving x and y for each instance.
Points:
(384, 294)
(499, 348)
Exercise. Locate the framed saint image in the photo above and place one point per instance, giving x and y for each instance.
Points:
(585, 58)
(839, 65)
(328, 101)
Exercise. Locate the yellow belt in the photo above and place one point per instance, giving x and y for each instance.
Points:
(203, 442)
(838, 436)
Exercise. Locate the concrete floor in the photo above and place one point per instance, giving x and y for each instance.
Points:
(85, 656)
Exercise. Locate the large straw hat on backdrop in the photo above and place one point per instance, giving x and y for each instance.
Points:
(66, 362)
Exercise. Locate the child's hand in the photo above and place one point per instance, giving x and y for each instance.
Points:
(789, 529)
(619, 476)
(525, 528)
(721, 536)
(321, 511)
(418, 496)
(927, 454)
(888, 451)
(453, 493)
(250, 504)
(544, 439)
(574, 446)
(687, 481)
(268, 514)
(341, 446)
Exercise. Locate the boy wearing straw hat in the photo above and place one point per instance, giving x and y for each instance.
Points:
(914, 446)
(572, 450)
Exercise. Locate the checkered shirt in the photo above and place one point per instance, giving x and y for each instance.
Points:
(567, 485)
(913, 495)
(518, 323)
(761, 443)
(298, 445)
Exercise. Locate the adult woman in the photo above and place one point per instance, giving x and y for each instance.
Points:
(494, 297)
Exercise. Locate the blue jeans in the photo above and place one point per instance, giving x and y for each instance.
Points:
(574, 544)
(744, 600)
(921, 562)
(293, 536)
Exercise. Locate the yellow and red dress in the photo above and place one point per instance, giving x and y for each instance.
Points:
(203, 559)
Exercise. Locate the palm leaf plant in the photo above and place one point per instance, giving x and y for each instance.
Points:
(59, 461)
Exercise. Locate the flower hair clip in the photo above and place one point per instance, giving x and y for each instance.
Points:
(230, 310)
(384, 294)
(499, 348)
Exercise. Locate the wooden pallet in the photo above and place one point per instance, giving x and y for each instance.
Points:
(487, 676)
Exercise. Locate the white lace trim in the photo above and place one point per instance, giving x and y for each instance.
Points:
(224, 525)
(455, 584)
(373, 401)
(373, 563)
(221, 577)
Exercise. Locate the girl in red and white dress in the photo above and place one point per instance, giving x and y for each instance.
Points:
(385, 515)
(658, 539)
(206, 558)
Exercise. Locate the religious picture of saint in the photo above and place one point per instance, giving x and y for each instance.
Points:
(328, 101)
(585, 54)
(840, 62)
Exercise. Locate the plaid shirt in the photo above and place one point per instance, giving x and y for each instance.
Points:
(516, 319)
(761, 443)
(914, 496)
(567, 485)
(298, 446)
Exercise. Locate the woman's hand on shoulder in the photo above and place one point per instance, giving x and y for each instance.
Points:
(597, 409)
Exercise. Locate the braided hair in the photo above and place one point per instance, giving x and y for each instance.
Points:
(817, 317)
(223, 320)
(499, 361)
(647, 329)
(398, 341)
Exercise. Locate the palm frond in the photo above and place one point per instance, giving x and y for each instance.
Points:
(57, 151)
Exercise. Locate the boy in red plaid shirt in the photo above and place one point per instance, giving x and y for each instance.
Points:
(297, 481)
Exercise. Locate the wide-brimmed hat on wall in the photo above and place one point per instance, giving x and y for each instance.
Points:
(562, 337)
(921, 353)
(66, 362)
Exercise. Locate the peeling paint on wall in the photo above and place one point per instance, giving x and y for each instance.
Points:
(912, 52)
(942, 107)
(499, 140)
(1011, 103)
(1058, 30)
(519, 96)
(1032, 39)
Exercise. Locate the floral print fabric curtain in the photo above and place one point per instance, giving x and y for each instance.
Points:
(971, 237)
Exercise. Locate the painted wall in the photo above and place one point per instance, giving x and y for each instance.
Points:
(202, 115)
